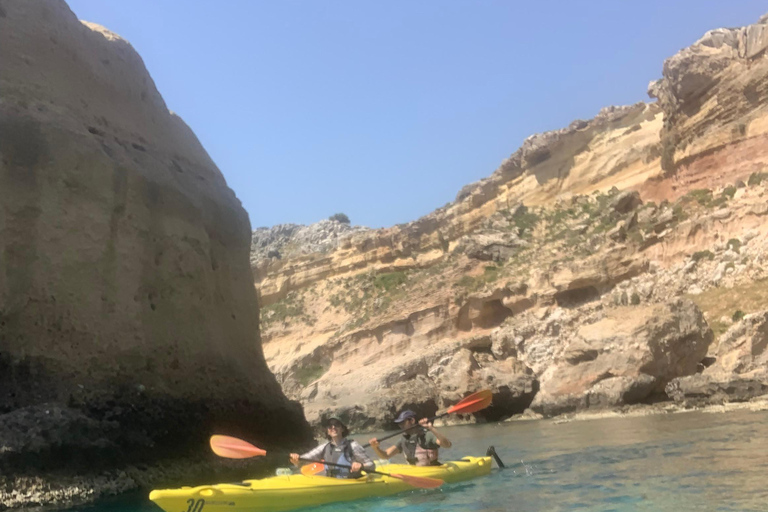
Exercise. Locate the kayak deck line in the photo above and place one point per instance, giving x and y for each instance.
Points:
(289, 492)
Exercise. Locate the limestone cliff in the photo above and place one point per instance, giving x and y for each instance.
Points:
(128, 319)
(714, 97)
(619, 147)
(581, 274)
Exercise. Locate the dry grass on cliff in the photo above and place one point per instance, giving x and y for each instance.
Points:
(719, 302)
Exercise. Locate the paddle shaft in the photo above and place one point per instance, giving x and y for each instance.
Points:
(342, 466)
(388, 436)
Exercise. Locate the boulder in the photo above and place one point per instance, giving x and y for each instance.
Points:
(740, 369)
(717, 388)
(742, 347)
(632, 353)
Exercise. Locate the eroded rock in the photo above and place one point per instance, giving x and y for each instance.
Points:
(740, 369)
(127, 310)
(625, 357)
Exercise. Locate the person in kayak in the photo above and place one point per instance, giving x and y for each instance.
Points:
(338, 450)
(420, 446)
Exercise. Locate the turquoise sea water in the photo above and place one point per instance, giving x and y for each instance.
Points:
(673, 462)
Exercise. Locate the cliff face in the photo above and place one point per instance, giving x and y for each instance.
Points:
(126, 298)
(586, 272)
(713, 95)
(619, 147)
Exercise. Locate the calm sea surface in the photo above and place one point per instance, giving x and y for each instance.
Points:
(672, 462)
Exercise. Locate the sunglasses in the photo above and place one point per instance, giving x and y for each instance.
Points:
(334, 425)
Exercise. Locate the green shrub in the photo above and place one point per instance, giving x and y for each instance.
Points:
(737, 315)
(729, 191)
(339, 217)
(699, 255)
(291, 307)
(525, 222)
(309, 373)
(466, 282)
(679, 212)
(635, 299)
(734, 243)
(389, 281)
(490, 274)
(720, 201)
(703, 196)
(756, 178)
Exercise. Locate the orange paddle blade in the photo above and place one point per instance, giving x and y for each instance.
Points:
(421, 482)
(234, 448)
(473, 403)
(312, 469)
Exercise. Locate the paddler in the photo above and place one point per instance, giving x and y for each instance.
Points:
(419, 444)
(338, 450)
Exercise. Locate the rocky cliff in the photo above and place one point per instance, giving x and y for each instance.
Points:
(618, 147)
(597, 267)
(713, 95)
(128, 319)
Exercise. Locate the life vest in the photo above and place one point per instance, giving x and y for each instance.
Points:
(338, 455)
(415, 451)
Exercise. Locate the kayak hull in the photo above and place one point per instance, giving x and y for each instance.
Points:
(281, 493)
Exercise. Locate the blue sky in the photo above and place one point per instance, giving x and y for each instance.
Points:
(384, 110)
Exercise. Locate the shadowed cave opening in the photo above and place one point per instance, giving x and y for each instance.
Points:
(506, 404)
(576, 297)
(487, 315)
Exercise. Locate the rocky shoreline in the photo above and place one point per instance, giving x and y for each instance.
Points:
(57, 490)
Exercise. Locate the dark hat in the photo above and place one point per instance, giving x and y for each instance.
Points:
(334, 418)
(344, 429)
(405, 415)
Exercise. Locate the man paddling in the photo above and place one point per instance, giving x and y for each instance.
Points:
(338, 450)
(419, 445)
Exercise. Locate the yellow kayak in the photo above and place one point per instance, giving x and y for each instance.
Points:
(290, 492)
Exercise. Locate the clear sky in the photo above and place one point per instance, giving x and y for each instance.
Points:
(384, 110)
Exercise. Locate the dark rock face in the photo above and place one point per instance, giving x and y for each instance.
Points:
(702, 389)
(128, 318)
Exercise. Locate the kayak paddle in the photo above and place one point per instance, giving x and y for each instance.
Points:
(234, 448)
(473, 403)
(421, 482)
